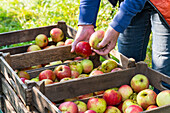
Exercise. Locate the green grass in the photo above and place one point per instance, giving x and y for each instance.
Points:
(25, 14)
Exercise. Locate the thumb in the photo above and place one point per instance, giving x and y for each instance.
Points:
(73, 46)
(103, 43)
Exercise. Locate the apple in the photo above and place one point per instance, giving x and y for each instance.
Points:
(69, 106)
(108, 65)
(83, 76)
(74, 74)
(127, 103)
(23, 74)
(35, 79)
(33, 48)
(116, 69)
(85, 96)
(47, 81)
(163, 98)
(83, 49)
(82, 107)
(76, 66)
(112, 97)
(95, 72)
(70, 99)
(55, 62)
(151, 107)
(69, 41)
(97, 104)
(90, 111)
(78, 58)
(146, 98)
(120, 107)
(139, 82)
(87, 65)
(23, 79)
(47, 74)
(99, 92)
(56, 34)
(126, 91)
(96, 38)
(65, 79)
(112, 109)
(62, 71)
(49, 47)
(60, 43)
(36, 67)
(133, 109)
(67, 61)
(41, 40)
(133, 96)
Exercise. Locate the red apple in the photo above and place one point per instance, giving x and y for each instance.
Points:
(56, 34)
(99, 92)
(83, 76)
(65, 79)
(85, 96)
(87, 65)
(95, 72)
(126, 91)
(69, 106)
(151, 107)
(78, 58)
(139, 82)
(47, 81)
(47, 74)
(127, 103)
(90, 111)
(112, 97)
(112, 109)
(62, 71)
(96, 38)
(133, 109)
(41, 40)
(33, 48)
(49, 47)
(74, 74)
(116, 69)
(163, 98)
(108, 65)
(23, 79)
(23, 74)
(82, 107)
(83, 49)
(120, 107)
(146, 98)
(69, 41)
(76, 66)
(60, 43)
(70, 99)
(97, 104)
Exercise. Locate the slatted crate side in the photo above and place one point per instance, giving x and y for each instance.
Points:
(30, 34)
(14, 80)
(13, 98)
(7, 107)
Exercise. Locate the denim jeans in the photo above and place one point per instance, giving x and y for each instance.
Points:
(134, 40)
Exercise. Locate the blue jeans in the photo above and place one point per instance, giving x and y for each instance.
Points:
(134, 40)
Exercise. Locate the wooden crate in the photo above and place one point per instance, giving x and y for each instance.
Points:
(18, 58)
(76, 87)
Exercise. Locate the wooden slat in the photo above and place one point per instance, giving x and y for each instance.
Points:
(80, 86)
(29, 59)
(13, 79)
(42, 103)
(13, 98)
(8, 107)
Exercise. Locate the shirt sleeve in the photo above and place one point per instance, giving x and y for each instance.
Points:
(128, 9)
(88, 12)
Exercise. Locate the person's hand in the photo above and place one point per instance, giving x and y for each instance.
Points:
(108, 43)
(83, 34)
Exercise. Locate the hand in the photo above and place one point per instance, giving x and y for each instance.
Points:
(83, 34)
(109, 42)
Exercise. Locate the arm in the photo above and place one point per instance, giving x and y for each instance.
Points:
(128, 9)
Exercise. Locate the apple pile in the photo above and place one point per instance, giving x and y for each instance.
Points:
(42, 41)
(133, 98)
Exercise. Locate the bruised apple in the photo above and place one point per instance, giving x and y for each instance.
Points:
(108, 65)
(83, 49)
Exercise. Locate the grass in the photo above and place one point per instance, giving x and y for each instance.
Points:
(25, 14)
